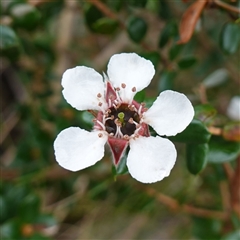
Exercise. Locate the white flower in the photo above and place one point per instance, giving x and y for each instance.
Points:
(233, 110)
(121, 121)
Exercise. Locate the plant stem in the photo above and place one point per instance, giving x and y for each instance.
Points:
(176, 206)
(226, 6)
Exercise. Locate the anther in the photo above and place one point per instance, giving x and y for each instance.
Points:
(99, 95)
(100, 135)
(130, 120)
(123, 85)
(118, 89)
(134, 89)
(117, 122)
(126, 137)
(99, 104)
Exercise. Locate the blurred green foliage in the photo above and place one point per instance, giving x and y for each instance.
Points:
(39, 41)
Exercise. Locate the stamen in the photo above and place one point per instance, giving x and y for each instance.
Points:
(99, 104)
(100, 123)
(118, 132)
(100, 135)
(126, 137)
(130, 120)
(140, 109)
(109, 118)
(99, 95)
(118, 89)
(137, 130)
(117, 122)
(134, 89)
(123, 85)
(132, 108)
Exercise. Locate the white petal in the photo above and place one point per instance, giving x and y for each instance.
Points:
(170, 114)
(76, 149)
(81, 87)
(150, 159)
(132, 70)
(233, 110)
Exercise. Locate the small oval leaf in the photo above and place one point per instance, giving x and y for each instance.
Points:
(9, 38)
(204, 112)
(230, 38)
(221, 151)
(196, 157)
(166, 80)
(136, 28)
(105, 26)
(231, 132)
(216, 78)
(196, 132)
(25, 16)
(187, 62)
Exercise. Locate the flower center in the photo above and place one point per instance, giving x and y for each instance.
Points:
(122, 120)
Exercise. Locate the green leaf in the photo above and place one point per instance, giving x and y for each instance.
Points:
(38, 236)
(232, 236)
(46, 219)
(136, 28)
(221, 151)
(206, 228)
(3, 209)
(9, 38)
(140, 96)
(175, 50)
(86, 119)
(164, 10)
(216, 78)
(29, 208)
(196, 156)
(168, 32)
(187, 62)
(154, 57)
(105, 26)
(196, 133)
(91, 14)
(166, 80)
(204, 112)
(11, 230)
(25, 16)
(137, 3)
(230, 38)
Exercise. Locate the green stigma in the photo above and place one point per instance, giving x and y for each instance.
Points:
(121, 117)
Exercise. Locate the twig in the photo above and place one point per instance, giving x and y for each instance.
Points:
(225, 195)
(166, 200)
(176, 206)
(226, 6)
(235, 189)
(202, 94)
(103, 8)
(8, 125)
(109, 13)
(215, 131)
(229, 171)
